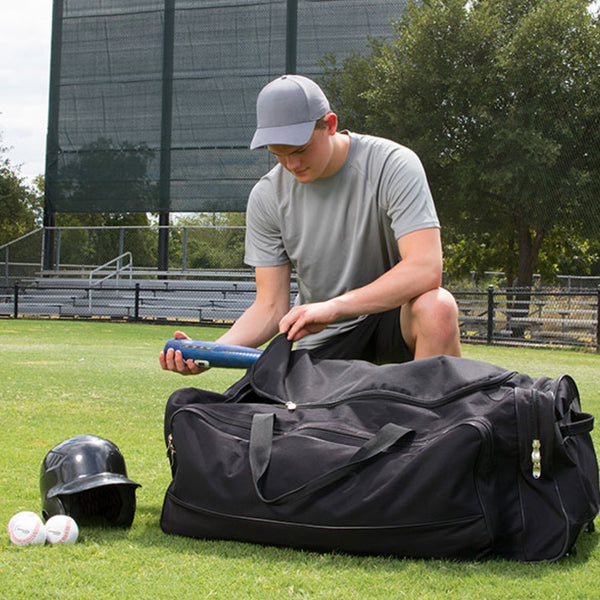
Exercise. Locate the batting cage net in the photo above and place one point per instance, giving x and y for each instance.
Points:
(152, 102)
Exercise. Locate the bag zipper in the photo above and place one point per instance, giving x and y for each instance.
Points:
(479, 423)
(403, 398)
(342, 431)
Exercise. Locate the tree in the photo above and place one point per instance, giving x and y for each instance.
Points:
(96, 238)
(501, 100)
(114, 177)
(213, 241)
(20, 204)
(105, 175)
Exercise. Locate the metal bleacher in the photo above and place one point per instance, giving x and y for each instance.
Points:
(494, 315)
(197, 300)
(214, 300)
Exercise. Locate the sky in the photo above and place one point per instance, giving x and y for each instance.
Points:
(25, 32)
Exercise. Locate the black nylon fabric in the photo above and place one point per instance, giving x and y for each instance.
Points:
(282, 375)
(459, 480)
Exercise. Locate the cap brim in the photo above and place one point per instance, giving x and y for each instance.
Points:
(288, 135)
(87, 483)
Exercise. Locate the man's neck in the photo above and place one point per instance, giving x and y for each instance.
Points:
(341, 142)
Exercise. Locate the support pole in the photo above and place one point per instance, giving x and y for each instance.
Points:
(166, 127)
(52, 141)
(291, 36)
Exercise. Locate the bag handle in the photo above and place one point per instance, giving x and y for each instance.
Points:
(578, 424)
(261, 442)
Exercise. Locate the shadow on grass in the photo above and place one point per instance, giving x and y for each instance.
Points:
(147, 533)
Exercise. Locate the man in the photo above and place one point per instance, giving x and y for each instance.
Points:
(354, 216)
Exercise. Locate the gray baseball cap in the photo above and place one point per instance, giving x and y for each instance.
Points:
(287, 110)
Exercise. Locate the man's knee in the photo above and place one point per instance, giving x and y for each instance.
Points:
(432, 320)
(435, 308)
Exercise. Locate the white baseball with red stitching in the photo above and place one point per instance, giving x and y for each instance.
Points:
(61, 529)
(26, 529)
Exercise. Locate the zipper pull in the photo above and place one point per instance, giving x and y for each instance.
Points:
(170, 449)
(536, 459)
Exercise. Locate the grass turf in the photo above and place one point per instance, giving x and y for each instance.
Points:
(61, 378)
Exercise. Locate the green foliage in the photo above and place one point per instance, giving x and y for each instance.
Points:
(120, 170)
(20, 204)
(501, 100)
(93, 244)
(467, 257)
(345, 87)
(213, 241)
(71, 377)
(566, 251)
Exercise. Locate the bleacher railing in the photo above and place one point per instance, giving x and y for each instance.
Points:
(492, 316)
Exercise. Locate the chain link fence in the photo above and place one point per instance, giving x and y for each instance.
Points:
(110, 272)
(520, 316)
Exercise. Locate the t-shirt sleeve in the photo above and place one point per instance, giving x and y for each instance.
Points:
(264, 243)
(405, 193)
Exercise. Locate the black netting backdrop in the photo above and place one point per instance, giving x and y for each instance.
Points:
(152, 102)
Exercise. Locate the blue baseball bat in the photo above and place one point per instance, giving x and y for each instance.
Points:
(214, 354)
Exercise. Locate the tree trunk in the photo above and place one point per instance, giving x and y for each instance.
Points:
(518, 305)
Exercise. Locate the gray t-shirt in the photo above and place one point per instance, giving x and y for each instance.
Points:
(340, 232)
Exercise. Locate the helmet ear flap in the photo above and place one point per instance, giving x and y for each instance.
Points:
(52, 506)
(127, 506)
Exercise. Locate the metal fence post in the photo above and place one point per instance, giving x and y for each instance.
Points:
(136, 309)
(490, 314)
(16, 302)
(6, 264)
(598, 320)
(57, 258)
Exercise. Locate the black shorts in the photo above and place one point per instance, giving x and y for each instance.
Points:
(377, 338)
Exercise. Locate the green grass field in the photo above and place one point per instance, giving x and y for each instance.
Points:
(60, 378)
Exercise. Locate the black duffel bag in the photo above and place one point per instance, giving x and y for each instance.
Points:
(441, 457)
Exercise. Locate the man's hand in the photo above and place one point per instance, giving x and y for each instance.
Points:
(172, 360)
(307, 318)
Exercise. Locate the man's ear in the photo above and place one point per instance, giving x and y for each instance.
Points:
(332, 122)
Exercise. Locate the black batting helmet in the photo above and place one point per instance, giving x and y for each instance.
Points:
(85, 477)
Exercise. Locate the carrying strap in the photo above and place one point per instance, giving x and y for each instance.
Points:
(576, 423)
(261, 443)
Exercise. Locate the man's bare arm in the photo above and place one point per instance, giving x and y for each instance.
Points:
(419, 271)
(260, 321)
(257, 325)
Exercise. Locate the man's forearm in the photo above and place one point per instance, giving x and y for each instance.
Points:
(257, 325)
(394, 288)
(419, 271)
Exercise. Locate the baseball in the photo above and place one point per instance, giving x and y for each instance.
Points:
(61, 529)
(26, 529)
(19, 514)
